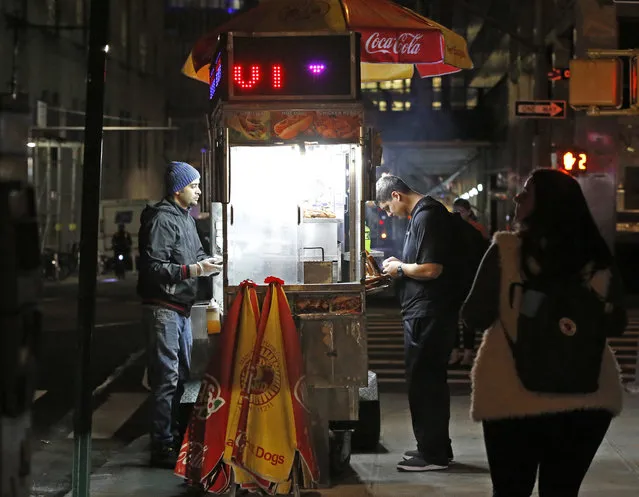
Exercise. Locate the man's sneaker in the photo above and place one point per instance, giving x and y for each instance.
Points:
(415, 453)
(419, 464)
(164, 457)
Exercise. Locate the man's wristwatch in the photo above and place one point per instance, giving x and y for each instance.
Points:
(400, 271)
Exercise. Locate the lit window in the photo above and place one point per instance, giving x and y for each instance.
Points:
(437, 105)
(398, 84)
(407, 105)
(382, 106)
(407, 83)
(385, 85)
(398, 106)
(369, 86)
(437, 82)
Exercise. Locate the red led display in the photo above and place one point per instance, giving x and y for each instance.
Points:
(287, 67)
(276, 76)
(277, 81)
(238, 77)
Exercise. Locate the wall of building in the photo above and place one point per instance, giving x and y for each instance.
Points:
(51, 70)
(187, 100)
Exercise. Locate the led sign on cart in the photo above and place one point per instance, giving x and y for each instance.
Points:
(215, 77)
(285, 66)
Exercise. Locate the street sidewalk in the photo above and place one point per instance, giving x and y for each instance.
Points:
(102, 278)
(614, 473)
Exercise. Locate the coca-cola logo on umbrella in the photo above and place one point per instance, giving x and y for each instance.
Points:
(401, 46)
(404, 44)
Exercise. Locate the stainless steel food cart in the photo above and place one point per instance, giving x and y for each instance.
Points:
(285, 184)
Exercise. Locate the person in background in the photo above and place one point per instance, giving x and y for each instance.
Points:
(465, 210)
(121, 241)
(121, 244)
(465, 339)
(171, 260)
(430, 310)
(527, 433)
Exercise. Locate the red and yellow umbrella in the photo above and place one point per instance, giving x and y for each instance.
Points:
(394, 40)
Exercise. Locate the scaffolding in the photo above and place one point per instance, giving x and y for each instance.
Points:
(53, 166)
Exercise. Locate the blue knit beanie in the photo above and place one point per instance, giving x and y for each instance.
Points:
(178, 176)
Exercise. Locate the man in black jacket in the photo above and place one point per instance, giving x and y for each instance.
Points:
(428, 284)
(171, 260)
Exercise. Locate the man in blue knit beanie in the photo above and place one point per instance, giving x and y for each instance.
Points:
(171, 260)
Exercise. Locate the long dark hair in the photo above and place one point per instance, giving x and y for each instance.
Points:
(560, 233)
(465, 204)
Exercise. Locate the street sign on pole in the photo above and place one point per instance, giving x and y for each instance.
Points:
(541, 109)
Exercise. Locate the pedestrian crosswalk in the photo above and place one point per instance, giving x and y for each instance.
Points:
(114, 413)
(122, 415)
(386, 350)
(110, 416)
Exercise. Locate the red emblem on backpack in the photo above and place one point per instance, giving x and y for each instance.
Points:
(567, 326)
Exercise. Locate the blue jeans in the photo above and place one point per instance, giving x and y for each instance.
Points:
(169, 343)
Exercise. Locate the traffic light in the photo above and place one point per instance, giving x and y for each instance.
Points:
(595, 83)
(573, 161)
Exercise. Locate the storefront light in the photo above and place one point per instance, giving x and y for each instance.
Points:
(473, 192)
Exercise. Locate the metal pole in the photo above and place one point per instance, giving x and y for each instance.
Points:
(58, 194)
(47, 200)
(543, 129)
(75, 153)
(91, 178)
(37, 177)
(108, 128)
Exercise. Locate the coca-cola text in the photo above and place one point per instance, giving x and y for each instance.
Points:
(404, 44)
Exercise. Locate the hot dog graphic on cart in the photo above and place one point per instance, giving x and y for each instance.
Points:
(252, 127)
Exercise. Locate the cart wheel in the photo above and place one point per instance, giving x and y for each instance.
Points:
(369, 426)
(340, 451)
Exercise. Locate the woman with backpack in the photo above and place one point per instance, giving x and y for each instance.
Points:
(545, 384)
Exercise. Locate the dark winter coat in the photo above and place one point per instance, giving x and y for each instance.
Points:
(169, 243)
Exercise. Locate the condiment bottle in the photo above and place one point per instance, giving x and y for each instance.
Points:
(213, 318)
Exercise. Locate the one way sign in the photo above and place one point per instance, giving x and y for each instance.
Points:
(544, 109)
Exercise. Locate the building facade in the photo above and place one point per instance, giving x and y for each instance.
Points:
(187, 100)
(43, 57)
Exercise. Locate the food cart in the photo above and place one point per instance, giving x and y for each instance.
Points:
(291, 167)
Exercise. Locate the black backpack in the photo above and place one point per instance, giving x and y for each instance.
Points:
(469, 247)
(561, 335)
